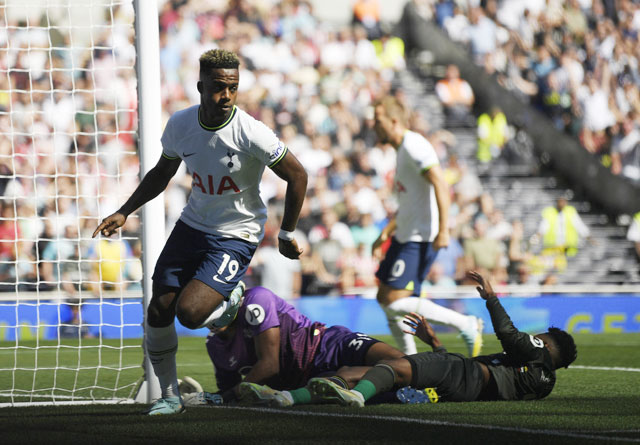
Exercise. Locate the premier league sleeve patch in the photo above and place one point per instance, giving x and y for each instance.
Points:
(277, 154)
(254, 314)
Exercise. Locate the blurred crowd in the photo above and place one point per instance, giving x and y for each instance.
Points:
(67, 152)
(71, 158)
(575, 60)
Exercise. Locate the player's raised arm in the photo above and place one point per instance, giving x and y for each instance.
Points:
(153, 183)
(290, 170)
(519, 345)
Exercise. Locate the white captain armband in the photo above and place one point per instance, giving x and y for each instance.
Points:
(285, 235)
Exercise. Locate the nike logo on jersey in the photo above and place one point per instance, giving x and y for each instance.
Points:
(215, 278)
(186, 155)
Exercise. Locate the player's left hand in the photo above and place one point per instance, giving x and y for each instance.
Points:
(421, 329)
(441, 241)
(289, 249)
(484, 289)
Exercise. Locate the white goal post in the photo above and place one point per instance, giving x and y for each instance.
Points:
(80, 123)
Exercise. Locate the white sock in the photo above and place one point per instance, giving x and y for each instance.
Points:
(406, 342)
(162, 346)
(433, 312)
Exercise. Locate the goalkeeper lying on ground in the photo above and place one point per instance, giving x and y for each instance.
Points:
(270, 342)
(524, 371)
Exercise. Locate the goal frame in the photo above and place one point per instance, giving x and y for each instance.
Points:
(147, 42)
(147, 69)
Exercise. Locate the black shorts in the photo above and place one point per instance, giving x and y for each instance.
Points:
(455, 377)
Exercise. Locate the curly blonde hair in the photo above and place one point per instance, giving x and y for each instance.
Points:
(218, 58)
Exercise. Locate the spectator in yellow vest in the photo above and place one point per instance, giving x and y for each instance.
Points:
(561, 229)
(390, 51)
(110, 259)
(492, 134)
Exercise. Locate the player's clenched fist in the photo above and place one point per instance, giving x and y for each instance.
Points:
(289, 249)
(110, 224)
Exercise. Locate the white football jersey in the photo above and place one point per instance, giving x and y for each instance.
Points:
(226, 164)
(417, 216)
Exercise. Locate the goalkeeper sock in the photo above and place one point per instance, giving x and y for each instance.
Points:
(162, 345)
(300, 396)
(405, 342)
(380, 378)
(433, 312)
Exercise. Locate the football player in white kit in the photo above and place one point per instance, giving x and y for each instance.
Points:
(418, 231)
(197, 276)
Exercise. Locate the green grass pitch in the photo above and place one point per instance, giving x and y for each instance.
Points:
(597, 400)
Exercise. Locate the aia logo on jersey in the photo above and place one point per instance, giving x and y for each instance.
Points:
(400, 188)
(226, 183)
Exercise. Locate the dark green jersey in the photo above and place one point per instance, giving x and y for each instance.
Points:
(524, 370)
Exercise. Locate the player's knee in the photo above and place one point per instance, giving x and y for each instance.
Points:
(189, 316)
(158, 316)
(401, 367)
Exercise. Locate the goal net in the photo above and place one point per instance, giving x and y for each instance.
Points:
(70, 305)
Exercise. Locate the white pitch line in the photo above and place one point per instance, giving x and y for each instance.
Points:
(436, 423)
(594, 368)
(605, 368)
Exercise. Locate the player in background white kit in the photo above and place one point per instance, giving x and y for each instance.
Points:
(197, 276)
(418, 231)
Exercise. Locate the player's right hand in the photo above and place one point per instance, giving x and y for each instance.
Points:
(421, 329)
(441, 241)
(485, 290)
(110, 224)
(289, 249)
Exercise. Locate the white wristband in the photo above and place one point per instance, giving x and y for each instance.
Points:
(287, 236)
